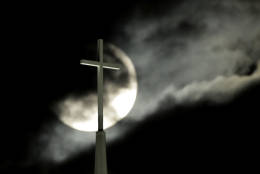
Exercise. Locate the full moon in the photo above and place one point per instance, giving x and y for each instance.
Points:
(120, 90)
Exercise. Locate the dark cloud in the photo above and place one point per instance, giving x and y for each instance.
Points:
(187, 53)
(184, 53)
(195, 50)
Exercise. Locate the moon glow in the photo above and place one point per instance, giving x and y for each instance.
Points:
(120, 90)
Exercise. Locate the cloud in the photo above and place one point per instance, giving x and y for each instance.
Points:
(58, 143)
(194, 50)
(219, 90)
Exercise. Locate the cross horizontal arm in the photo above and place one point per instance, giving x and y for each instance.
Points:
(97, 64)
(89, 62)
(111, 66)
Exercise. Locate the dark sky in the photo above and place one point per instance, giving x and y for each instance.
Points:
(192, 136)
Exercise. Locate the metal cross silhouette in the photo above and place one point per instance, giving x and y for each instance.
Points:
(100, 65)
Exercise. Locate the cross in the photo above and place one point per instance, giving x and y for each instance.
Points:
(100, 66)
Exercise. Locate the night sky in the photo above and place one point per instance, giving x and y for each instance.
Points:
(197, 106)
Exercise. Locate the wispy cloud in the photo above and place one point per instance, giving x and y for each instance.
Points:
(198, 50)
(193, 51)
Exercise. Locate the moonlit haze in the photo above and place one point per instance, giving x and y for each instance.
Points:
(81, 113)
(193, 52)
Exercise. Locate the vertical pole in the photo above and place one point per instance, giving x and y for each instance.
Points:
(100, 154)
(100, 85)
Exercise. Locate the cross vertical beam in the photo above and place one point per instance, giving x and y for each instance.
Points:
(100, 85)
(100, 66)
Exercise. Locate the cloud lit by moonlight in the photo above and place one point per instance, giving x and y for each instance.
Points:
(120, 92)
(193, 51)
